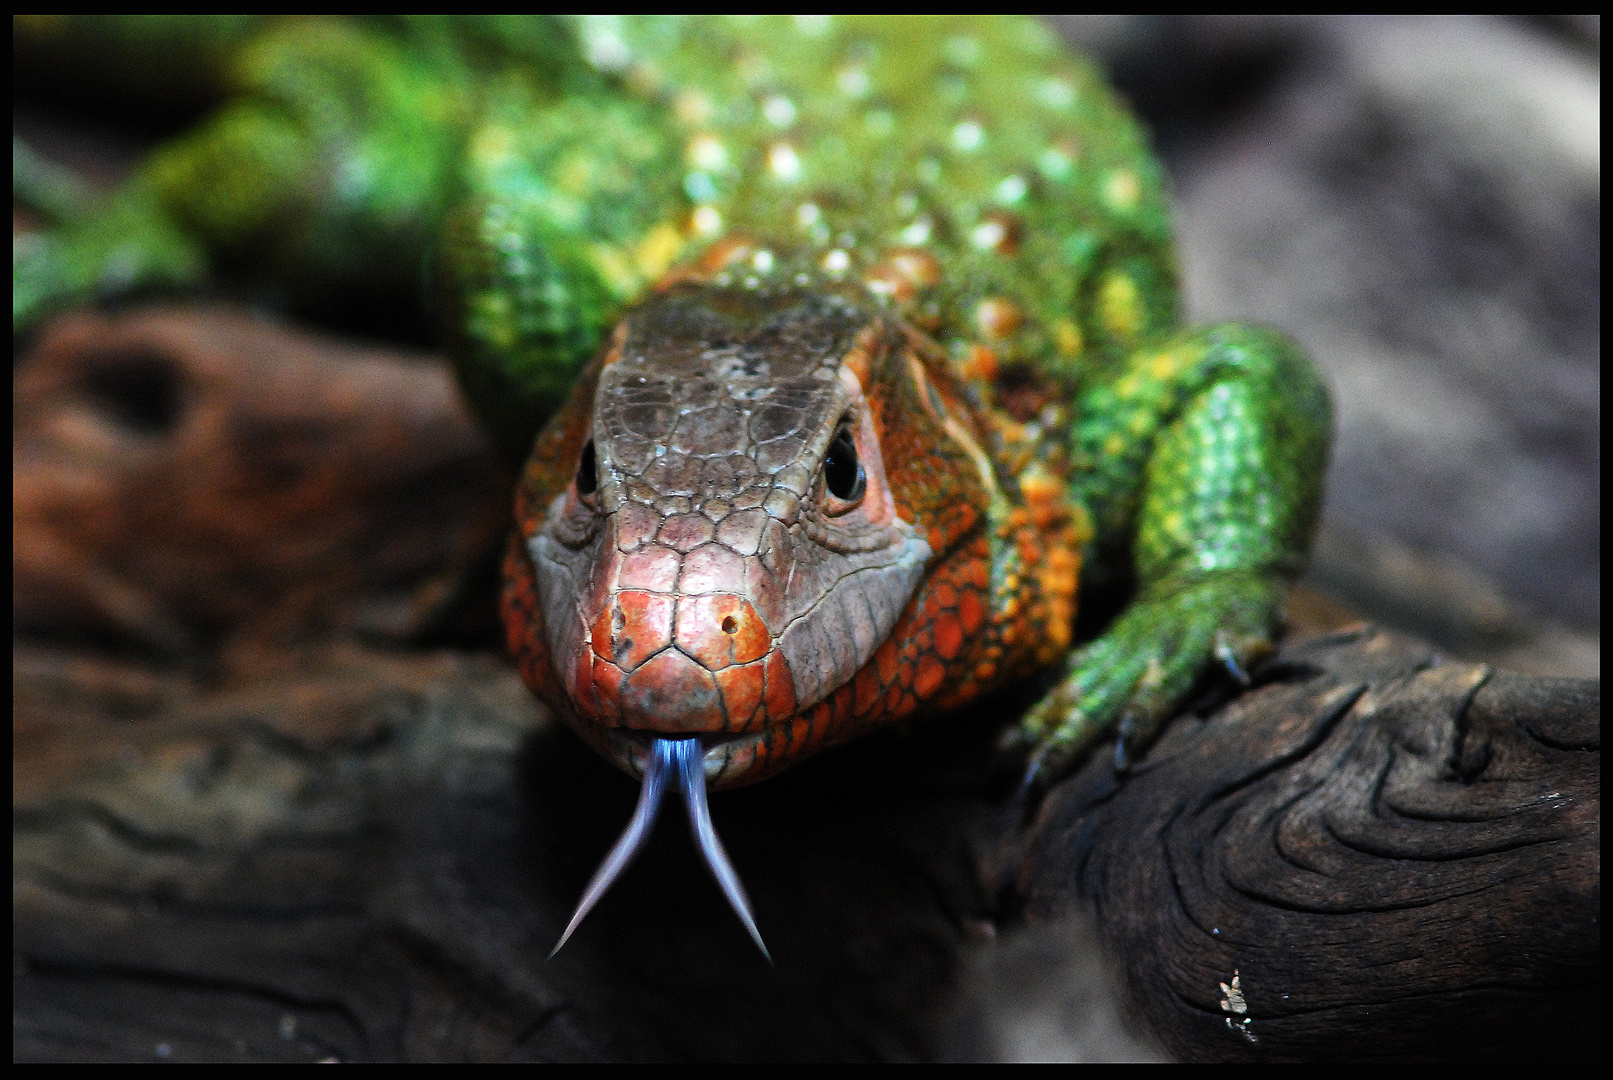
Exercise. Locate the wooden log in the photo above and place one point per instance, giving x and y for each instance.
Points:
(189, 480)
(1373, 856)
(369, 858)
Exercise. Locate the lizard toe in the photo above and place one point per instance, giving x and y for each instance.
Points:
(1133, 678)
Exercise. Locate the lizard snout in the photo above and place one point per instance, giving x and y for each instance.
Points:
(682, 665)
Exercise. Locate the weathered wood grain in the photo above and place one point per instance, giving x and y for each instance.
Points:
(1396, 858)
(388, 888)
(368, 858)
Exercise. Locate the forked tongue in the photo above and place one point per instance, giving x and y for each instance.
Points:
(679, 762)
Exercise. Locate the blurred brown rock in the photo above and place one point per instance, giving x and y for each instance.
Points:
(189, 478)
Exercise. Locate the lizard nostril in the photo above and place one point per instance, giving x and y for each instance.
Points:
(729, 626)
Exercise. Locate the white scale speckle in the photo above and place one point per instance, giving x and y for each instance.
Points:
(607, 52)
(700, 187)
(988, 234)
(1057, 93)
(707, 221)
(785, 162)
(853, 82)
(963, 51)
(779, 111)
(1055, 163)
(705, 152)
(968, 136)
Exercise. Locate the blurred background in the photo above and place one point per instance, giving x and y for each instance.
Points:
(258, 535)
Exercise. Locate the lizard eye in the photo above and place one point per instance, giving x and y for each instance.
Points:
(587, 470)
(842, 472)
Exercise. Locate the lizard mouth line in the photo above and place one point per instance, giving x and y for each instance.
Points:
(720, 751)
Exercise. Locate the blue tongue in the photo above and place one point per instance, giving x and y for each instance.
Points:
(680, 762)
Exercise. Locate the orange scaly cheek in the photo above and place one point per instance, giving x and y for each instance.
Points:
(940, 641)
(939, 644)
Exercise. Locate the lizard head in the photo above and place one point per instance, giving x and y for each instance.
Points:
(710, 542)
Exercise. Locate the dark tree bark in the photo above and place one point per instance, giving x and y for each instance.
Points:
(1396, 859)
(370, 858)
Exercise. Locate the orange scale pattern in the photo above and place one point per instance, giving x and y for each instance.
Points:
(946, 649)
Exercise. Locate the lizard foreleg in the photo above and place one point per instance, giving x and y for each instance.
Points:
(1201, 465)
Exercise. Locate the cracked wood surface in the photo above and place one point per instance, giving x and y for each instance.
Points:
(1386, 857)
(367, 856)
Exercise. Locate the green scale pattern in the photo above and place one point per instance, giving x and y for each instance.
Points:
(832, 143)
(542, 172)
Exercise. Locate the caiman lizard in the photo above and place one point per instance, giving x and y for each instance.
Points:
(843, 356)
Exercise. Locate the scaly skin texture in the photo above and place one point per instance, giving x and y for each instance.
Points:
(660, 200)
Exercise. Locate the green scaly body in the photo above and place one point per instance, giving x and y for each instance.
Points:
(970, 175)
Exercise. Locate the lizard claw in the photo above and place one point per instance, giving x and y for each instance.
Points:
(1224, 653)
(1033, 781)
(1017, 739)
(1122, 755)
(1136, 675)
(1138, 726)
(1239, 653)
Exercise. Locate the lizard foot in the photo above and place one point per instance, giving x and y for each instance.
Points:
(1138, 672)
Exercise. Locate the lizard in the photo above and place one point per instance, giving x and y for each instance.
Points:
(842, 355)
